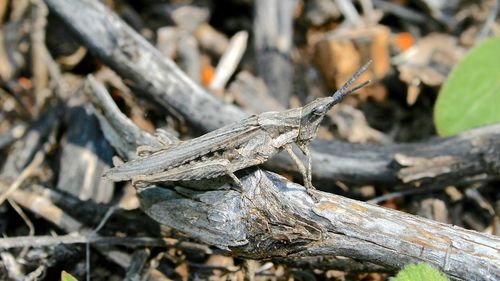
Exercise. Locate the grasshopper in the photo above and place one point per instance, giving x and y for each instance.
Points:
(250, 142)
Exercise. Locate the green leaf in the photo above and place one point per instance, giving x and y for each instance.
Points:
(67, 277)
(418, 272)
(471, 96)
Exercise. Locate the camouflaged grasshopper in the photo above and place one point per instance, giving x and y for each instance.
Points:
(252, 141)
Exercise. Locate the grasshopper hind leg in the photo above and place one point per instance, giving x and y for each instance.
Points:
(146, 150)
(237, 182)
(238, 185)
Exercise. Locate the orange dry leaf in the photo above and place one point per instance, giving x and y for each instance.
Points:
(25, 82)
(404, 40)
(391, 204)
(341, 53)
(207, 74)
(183, 271)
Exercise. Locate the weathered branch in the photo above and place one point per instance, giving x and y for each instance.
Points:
(273, 31)
(275, 217)
(43, 241)
(473, 153)
(141, 64)
(158, 78)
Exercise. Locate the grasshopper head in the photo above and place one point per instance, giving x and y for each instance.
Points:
(314, 112)
(312, 115)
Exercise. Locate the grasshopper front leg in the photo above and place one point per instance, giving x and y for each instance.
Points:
(305, 172)
(307, 153)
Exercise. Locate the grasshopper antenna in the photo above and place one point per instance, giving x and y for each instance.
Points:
(343, 92)
(355, 88)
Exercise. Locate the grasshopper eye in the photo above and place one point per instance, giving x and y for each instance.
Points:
(319, 110)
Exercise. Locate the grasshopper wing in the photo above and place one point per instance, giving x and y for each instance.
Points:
(231, 136)
(196, 171)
